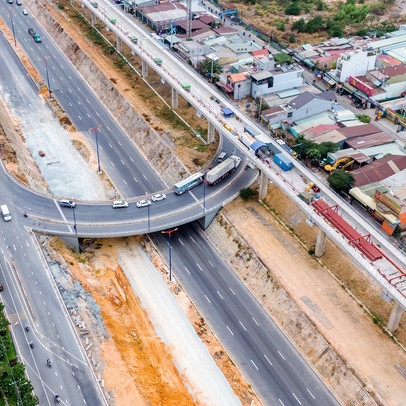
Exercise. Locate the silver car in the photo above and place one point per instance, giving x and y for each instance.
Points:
(119, 204)
(143, 203)
(158, 197)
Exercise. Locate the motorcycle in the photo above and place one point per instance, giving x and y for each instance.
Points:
(49, 363)
(27, 328)
(31, 344)
(25, 214)
(57, 399)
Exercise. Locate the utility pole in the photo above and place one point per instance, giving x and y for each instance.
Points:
(12, 26)
(46, 70)
(169, 232)
(189, 19)
(97, 145)
(146, 194)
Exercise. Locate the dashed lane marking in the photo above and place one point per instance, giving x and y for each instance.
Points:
(229, 329)
(253, 363)
(268, 359)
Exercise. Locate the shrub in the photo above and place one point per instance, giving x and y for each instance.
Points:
(247, 193)
(364, 118)
(340, 180)
(293, 9)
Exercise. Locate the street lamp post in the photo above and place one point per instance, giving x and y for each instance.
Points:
(46, 70)
(169, 232)
(97, 146)
(12, 26)
(146, 194)
(74, 221)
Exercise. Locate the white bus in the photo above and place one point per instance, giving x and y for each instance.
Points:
(188, 183)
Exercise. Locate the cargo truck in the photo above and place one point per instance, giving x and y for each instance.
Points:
(34, 35)
(219, 172)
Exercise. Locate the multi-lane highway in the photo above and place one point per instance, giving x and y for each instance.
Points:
(254, 341)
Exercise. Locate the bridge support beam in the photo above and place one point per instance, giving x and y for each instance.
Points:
(72, 241)
(207, 219)
(263, 185)
(144, 69)
(93, 19)
(119, 43)
(394, 318)
(211, 130)
(320, 243)
(175, 98)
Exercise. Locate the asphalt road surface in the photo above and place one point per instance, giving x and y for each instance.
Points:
(289, 379)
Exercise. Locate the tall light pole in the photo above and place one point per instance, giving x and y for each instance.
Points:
(97, 146)
(46, 70)
(74, 221)
(169, 232)
(146, 194)
(204, 193)
(12, 26)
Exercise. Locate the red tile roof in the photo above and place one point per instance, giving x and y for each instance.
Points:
(392, 71)
(321, 128)
(359, 130)
(379, 169)
(260, 52)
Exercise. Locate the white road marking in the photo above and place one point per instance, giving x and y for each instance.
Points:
(192, 239)
(144, 177)
(135, 179)
(199, 266)
(220, 295)
(61, 89)
(70, 104)
(253, 363)
(187, 270)
(56, 374)
(69, 77)
(88, 115)
(61, 387)
(281, 402)
(79, 102)
(88, 101)
(298, 401)
(311, 394)
(181, 242)
(255, 322)
(132, 160)
(232, 291)
(211, 264)
(53, 80)
(2, 250)
(242, 325)
(268, 359)
(230, 330)
(112, 164)
(281, 355)
(70, 90)
(108, 128)
(119, 143)
(80, 118)
(124, 181)
(61, 213)
(15, 249)
(110, 145)
(122, 162)
(98, 115)
(46, 46)
(207, 298)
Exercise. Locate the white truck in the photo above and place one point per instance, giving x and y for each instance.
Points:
(5, 212)
(219, 172)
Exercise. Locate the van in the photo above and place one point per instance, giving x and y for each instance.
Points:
(5, 212)
(222, 156)
(67, 203)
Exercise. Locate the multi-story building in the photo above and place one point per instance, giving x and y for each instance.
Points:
(355, 63)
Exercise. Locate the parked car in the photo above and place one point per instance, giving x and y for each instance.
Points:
(68, 203)
(143, 203)
(25, 12)
(158, 197)
(1, 287)
(119, 204)
(18, 2)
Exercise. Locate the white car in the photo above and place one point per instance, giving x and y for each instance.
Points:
(143, 203)
(119, 204)
(158, 197)
(25, 12)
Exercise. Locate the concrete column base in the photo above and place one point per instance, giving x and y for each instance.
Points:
(175, 98)
(144, 69)
(211, 130)
(320, 243)
(93, 18)
(119, 43)
(208, 219)
(72, 241)
(394, 318)
(263, 185)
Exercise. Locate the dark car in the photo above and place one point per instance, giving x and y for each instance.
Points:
(1, 287)
(18, 2)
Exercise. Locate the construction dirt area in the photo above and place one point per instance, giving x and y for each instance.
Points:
(368, 351)
(133, 364)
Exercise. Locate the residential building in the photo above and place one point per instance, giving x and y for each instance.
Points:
(160, 16)
(390, 80)
(284, 78)
(371, 140)
(192, 50)
(274, 116)
(360, 130)
(355, 63)
(308, 104)
(240, 83)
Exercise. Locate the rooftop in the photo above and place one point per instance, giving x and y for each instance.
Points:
(164, 12)
(306, 97)
(397, 184)
(239, 77)
(370, 140)
(379, 169)
(360, 130)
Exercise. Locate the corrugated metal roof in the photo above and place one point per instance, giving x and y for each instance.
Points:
(370, 140)
(360, 130)
(288, 93)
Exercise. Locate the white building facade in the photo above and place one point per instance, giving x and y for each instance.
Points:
(355, 63)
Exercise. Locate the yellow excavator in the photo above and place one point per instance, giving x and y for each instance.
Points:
(347, 161)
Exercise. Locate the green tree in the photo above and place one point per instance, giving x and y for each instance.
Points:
(205, 67)
(292, 39)
(293, 9)
(363, 118)
(340, 180)
(299, 25)
(336, 30)
(314, 24)
(247, 193)
(4, 323)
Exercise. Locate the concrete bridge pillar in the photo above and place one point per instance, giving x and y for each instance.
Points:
(144, 70)
(210, 132)
(119, 43)
(175, 101)
(320, 243)
(93, 19)
(263, 185)
(394, 318)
